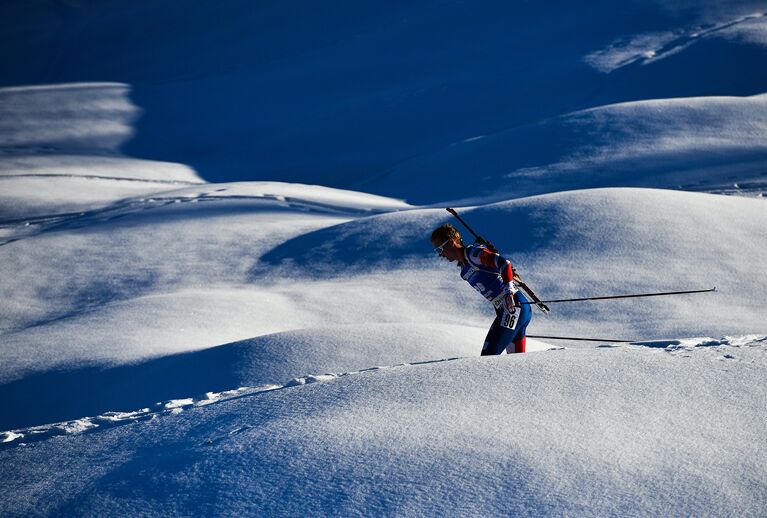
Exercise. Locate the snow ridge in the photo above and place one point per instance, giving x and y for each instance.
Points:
(171, 407)
(21, 228)
(175, 407)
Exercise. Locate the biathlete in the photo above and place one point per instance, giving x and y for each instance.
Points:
(492, 276)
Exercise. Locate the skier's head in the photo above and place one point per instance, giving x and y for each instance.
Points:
(445, 232)
(447, 242)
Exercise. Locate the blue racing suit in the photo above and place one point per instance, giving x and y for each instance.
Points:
(492, 275)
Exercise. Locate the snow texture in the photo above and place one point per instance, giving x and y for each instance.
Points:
(407, 439)
(218, 295)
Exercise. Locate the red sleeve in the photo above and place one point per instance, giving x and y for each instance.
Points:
(496, 262)
(507, 273)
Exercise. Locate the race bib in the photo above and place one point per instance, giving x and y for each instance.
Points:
(509, 320)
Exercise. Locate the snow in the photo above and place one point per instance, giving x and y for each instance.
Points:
(407, 440)
(695, 144)
(85, 115)
(59, 151)
(219, 298)
(650, 47)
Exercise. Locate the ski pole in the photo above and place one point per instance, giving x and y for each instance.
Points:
(635, 295)
(582, 339)
(481, 240)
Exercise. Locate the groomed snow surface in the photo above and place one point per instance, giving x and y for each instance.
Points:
(218, 298)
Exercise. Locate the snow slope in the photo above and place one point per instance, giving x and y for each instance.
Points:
(188, 273)
(698, 144)
(590, 432)
(60, 151)
(217, 294)
(583, 243)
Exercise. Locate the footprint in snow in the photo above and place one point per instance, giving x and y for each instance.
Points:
(236, 431)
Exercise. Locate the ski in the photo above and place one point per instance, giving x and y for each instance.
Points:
(607, 340)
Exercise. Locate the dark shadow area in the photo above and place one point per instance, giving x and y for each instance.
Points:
(406, 237)
(384, 87)
(89, 391)
(338, 93)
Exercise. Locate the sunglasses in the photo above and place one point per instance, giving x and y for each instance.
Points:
(441, 247)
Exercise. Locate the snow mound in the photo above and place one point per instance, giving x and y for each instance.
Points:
(567, 431)
(583, 243)
(93, 378)
(281, 273)
(711, 143)
(252, 365)
(76, 185)
(159, 244)
(60, 151)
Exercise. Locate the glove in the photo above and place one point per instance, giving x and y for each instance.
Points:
(509, 304)
(509, 317)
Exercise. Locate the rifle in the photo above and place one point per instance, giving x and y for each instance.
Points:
(517, 279)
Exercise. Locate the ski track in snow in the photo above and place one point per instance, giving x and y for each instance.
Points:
(25, 436)
(101, 177)
(175, 407)
(29, 227)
